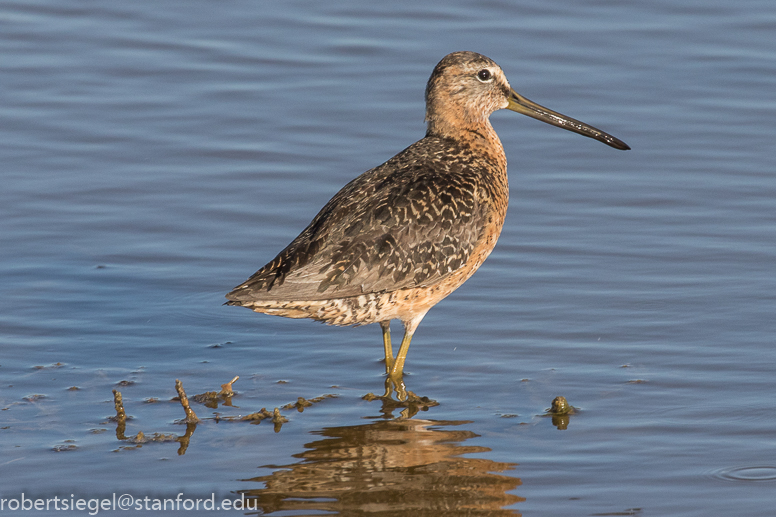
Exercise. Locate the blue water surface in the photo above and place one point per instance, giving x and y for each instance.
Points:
(155, 154)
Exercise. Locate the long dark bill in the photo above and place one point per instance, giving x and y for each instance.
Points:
(522, 105)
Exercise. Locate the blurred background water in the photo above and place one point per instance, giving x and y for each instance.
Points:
(155, 154)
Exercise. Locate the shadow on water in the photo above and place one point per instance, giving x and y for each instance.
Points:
(389, 467)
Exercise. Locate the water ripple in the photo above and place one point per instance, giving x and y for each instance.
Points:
(761, 473)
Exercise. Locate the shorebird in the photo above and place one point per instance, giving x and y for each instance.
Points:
(401, 237)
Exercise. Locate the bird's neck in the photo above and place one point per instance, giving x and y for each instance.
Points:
(478, 135)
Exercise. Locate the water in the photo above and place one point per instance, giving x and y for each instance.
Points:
(156, 154)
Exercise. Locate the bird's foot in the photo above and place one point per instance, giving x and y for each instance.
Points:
(397, 396)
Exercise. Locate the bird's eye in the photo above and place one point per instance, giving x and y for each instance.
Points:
(484, 75)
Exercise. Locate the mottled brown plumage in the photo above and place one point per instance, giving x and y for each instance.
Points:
(402, 236)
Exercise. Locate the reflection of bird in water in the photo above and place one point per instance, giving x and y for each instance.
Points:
(402, 236)
(394, 467)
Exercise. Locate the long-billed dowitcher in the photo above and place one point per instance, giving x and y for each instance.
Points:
(402, 236)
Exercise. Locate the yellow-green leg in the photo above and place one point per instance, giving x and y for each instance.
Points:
(386, 326)
(397, 369)
(398, 364)
(396, 375)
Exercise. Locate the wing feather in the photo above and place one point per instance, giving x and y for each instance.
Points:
(410, 222)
